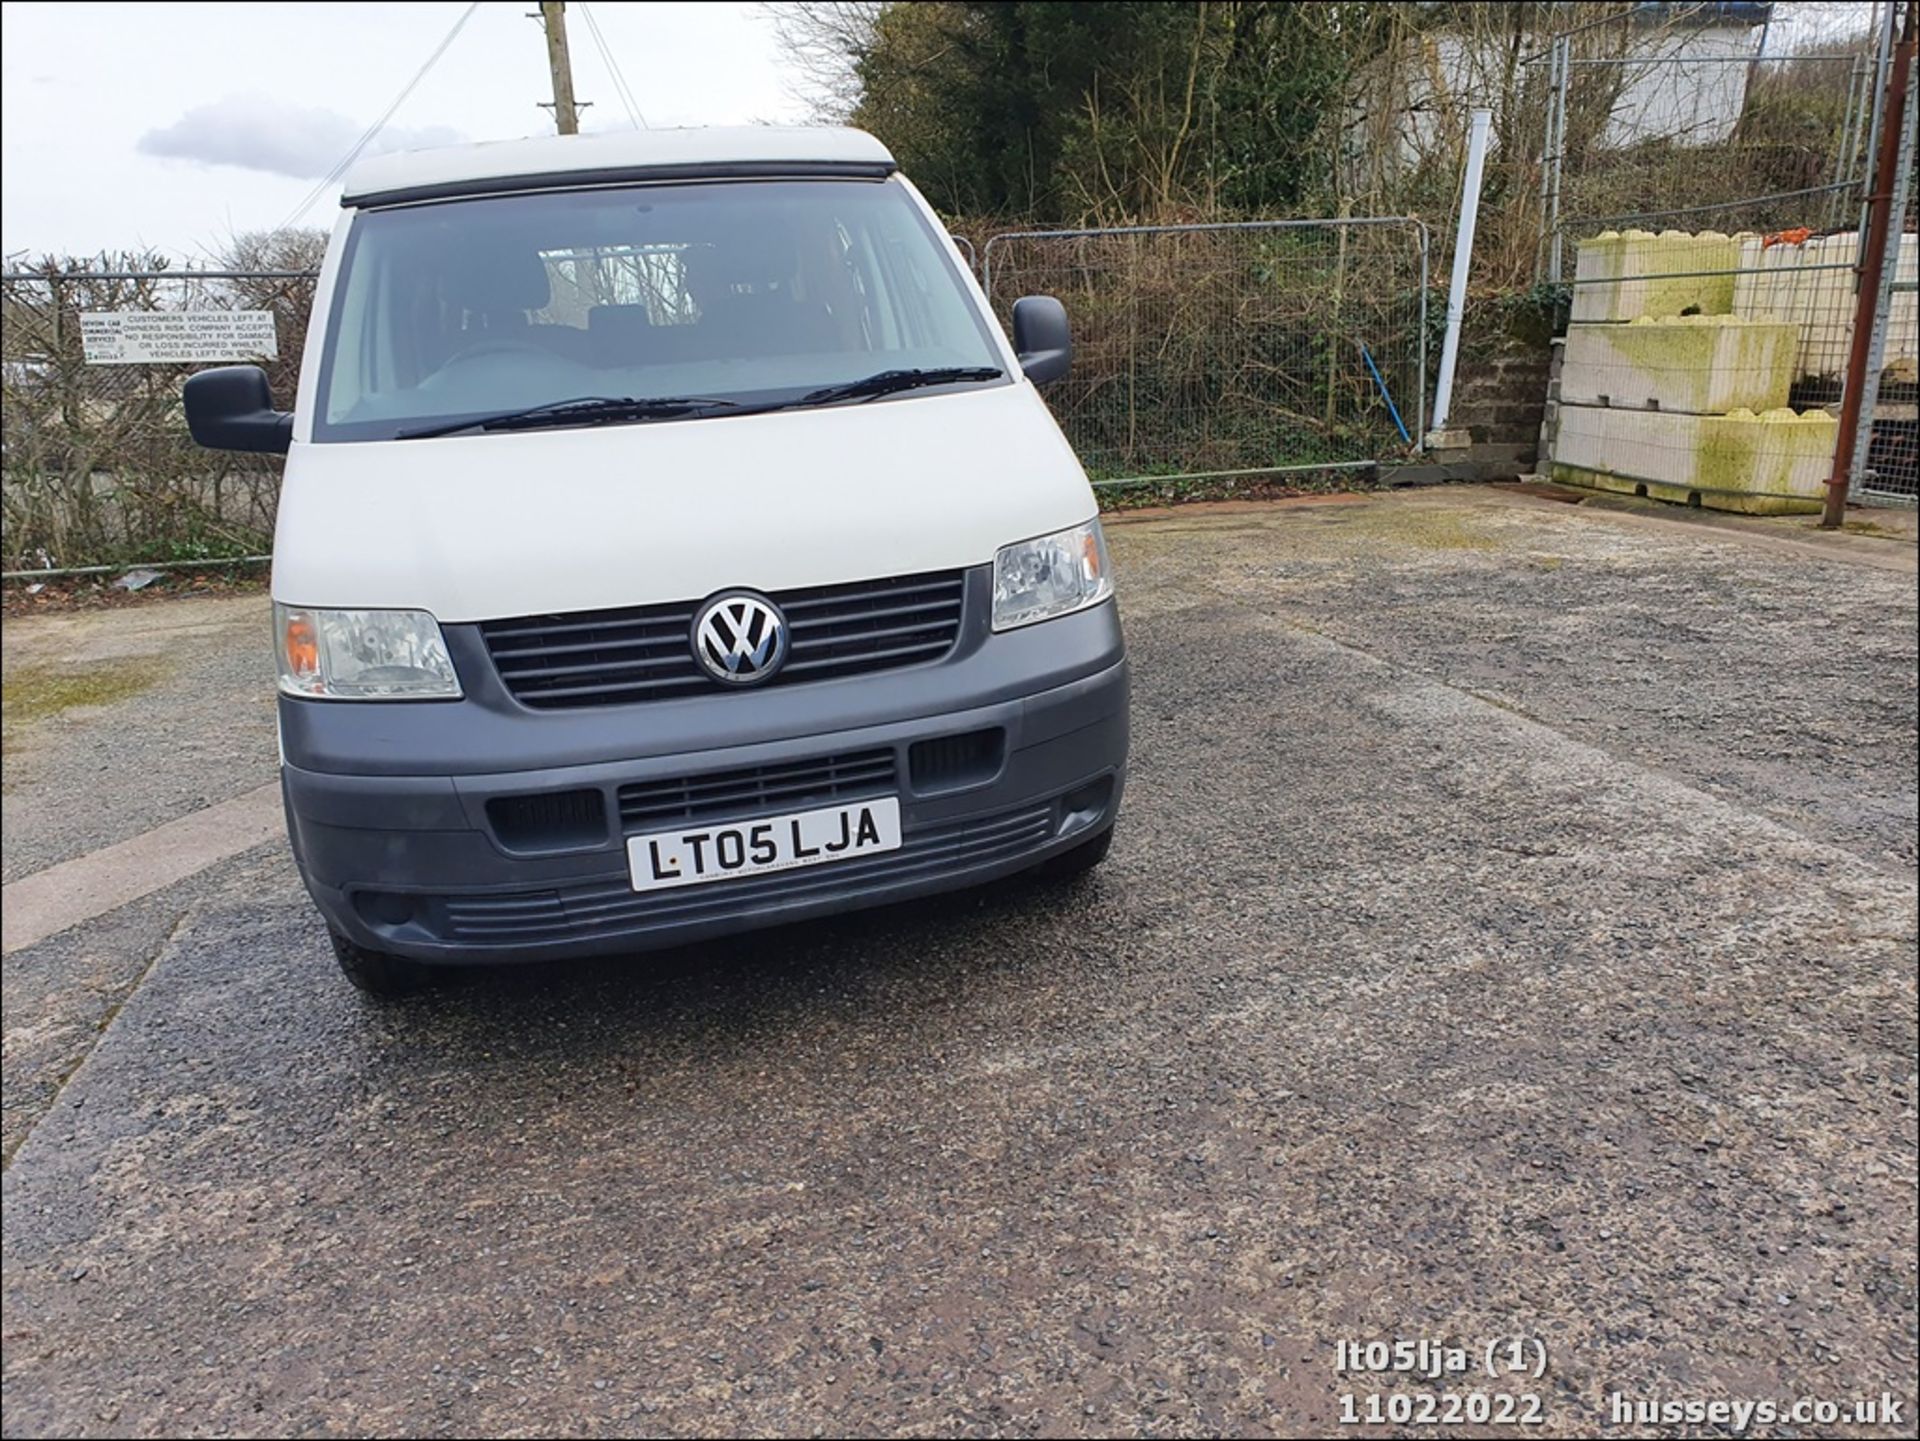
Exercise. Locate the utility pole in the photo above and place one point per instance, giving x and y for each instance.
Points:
(566, 116)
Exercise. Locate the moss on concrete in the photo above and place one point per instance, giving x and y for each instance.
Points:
(1682, 356)
(1741, 502)
(1867, 527)
(1726, 456)
(1687, 354)
(1629, 257)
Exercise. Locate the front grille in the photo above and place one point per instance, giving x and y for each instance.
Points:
(790, 786)
(618, 657)
(611, 907)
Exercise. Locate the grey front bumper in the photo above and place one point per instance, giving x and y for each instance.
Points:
(412, 863)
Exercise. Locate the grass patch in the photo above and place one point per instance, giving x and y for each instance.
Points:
(33, 693)
(30, 694)
(1417, 526)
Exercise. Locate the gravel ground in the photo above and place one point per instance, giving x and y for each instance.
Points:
(1461, 971)
(61, 994)
(120, 720)
(1788, 687)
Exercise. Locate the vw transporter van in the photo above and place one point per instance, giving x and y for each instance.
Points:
(671, 543)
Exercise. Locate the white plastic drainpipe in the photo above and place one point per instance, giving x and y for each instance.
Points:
(1462, 262)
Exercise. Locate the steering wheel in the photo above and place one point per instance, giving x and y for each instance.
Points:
(491, 347)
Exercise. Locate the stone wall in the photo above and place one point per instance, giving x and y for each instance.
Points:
(1499, 398)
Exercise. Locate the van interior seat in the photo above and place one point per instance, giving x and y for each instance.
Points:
(731, 327)
(497, 288)
(767, 322)
(568, 341)
(626, 335)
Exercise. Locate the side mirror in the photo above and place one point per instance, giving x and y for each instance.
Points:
(232, 409)
(1041, 338)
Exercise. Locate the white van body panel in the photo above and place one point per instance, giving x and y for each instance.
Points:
(315, 347)
(497, 820)
(490, 526)
(481, 527)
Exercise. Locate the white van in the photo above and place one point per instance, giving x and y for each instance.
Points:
(671, 543)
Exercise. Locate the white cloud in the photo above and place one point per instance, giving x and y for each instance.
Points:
(257, 132)
(138, 69)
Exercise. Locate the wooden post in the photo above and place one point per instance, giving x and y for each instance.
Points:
(566, 116)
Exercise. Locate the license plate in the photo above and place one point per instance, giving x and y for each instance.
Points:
(698, 854)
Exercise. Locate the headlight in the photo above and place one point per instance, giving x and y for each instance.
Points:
(1039, 579)
(363, 654)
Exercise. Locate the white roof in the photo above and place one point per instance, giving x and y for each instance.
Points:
(472, 167)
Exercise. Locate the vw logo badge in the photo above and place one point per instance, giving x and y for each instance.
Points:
(740, 638)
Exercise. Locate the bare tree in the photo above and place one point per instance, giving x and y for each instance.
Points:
(301, 248)
(823, 41)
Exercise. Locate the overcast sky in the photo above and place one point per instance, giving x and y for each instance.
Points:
(176, 125)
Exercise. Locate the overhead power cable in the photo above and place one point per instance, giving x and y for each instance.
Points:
(620, 86)
(339, 169)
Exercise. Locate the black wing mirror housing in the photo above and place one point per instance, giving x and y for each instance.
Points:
(231, 408)
(1041, 338)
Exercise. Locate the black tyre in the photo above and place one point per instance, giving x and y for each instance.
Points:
(377, 973)
(1078, 861)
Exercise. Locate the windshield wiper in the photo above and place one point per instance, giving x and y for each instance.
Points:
(597, 409)
(588, 410)
(887, 382)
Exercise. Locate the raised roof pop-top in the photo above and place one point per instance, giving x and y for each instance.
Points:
(499, 164)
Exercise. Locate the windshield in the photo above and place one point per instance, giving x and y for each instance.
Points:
(753, 292)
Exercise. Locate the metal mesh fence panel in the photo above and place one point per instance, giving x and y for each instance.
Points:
(1887, 464)
(1890, 472)
(1655, 140)
(1711, 152)
(1210, 351)
(98, 464)
(1707, 368)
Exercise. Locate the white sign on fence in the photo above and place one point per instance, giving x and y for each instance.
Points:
(163, 337)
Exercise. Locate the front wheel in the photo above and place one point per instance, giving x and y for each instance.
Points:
(1078, 861)
(375, 972)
